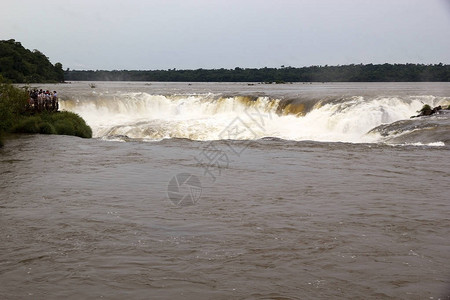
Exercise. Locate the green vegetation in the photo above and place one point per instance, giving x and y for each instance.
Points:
(425, 110)
(15, 118)
(13, 102)
(64, 123)
(20, 65)
(347, 73)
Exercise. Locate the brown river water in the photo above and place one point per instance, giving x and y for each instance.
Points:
(231, 191)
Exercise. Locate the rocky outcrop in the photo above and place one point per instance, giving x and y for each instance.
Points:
(428, 111)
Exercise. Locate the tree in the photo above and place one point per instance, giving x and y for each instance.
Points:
(20, 65)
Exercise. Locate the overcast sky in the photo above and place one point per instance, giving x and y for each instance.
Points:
(191, 34)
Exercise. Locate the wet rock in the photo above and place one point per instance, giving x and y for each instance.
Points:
(428, 111)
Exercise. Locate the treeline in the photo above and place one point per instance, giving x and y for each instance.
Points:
(346, 73)
(20, 65)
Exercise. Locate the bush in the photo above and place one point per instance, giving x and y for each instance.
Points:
(65, 123)
(425, 108)
(64, 127)
(70, 123)
(13, 102)
(28, 125)
(46, 128)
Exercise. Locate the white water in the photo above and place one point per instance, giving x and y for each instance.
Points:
(208, 117)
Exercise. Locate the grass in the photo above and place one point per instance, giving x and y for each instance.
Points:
(14, 117)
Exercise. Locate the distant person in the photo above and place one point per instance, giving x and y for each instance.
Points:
(48, 100)
(40, 100)
(55, 101)
(34, 96)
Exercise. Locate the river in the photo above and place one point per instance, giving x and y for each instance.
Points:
(231, 191)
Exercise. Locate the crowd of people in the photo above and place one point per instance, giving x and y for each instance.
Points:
(43, 100)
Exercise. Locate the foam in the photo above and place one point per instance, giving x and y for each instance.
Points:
(206, 116)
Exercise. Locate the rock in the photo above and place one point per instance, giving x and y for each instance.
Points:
(427, 111)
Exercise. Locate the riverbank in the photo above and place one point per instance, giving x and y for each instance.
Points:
(16, 118)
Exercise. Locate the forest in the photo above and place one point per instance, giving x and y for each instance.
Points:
(345, 73)
(20, 65)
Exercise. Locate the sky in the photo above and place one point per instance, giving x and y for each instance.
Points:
(211, 34)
